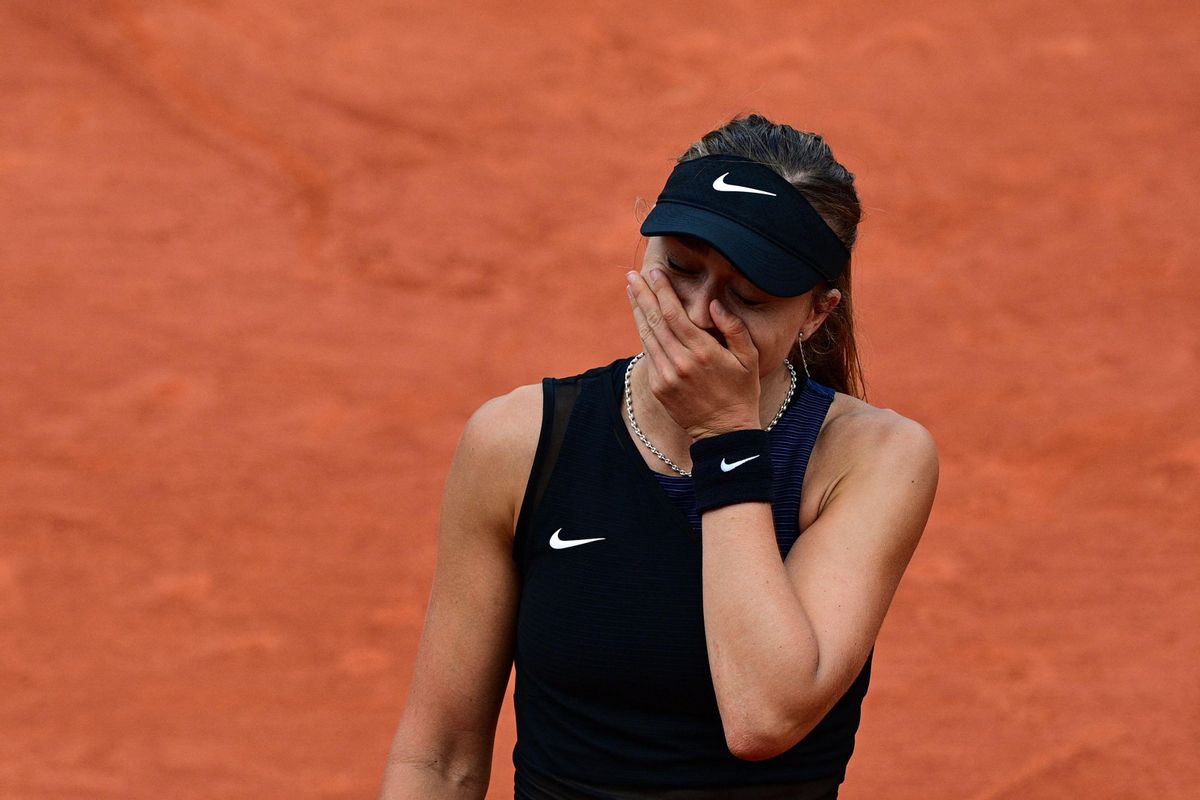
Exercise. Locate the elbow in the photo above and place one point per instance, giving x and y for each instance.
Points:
(758, 741)
(750, 747)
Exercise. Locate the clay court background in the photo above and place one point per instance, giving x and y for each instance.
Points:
(260, 261)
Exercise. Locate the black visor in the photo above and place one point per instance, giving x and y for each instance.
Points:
(753, 217)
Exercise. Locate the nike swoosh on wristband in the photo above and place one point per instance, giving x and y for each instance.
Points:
(561, 544)
(730, 467)
(721, 186)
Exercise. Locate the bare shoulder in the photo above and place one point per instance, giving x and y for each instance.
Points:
(509, 419)
(857, 436)
(859, 428)
(504, 430)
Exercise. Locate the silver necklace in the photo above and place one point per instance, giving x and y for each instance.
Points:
(655, 450)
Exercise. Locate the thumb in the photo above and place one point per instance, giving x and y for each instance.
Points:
(736, 334)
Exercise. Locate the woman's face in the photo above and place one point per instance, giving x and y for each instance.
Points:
(698, 274)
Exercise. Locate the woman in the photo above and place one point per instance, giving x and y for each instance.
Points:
(630, 536)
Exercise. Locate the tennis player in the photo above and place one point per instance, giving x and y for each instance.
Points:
(687, 553)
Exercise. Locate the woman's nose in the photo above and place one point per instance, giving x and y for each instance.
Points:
(696, 305)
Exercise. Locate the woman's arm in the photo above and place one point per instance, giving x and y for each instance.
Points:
(786, 638)
(443, 747)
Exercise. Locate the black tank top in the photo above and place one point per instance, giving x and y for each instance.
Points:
(613, 696)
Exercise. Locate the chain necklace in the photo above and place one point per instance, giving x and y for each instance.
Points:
(655, 450)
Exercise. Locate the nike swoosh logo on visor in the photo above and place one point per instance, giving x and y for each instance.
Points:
(721, 186)
(730, 467)
(561, 544)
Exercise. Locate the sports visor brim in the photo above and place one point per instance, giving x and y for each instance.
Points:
(765, 264)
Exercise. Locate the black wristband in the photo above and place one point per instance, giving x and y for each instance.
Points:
(732, 467)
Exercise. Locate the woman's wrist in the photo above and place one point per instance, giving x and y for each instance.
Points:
(708, 433)
(732, 467)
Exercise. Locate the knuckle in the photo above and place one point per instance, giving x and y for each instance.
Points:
(654, 317)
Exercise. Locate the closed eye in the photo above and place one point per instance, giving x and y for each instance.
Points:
(671, 265)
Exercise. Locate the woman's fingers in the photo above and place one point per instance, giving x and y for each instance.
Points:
(652, 325)
(695, 384)
(736, 335)
(668, 322)
(650, 344)
(674, 316)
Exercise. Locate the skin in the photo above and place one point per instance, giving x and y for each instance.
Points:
(786, 637)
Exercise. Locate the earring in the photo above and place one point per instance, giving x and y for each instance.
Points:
(803, 360)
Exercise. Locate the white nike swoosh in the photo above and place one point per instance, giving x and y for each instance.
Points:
(727, 467)
(560, 544)
(721, 186)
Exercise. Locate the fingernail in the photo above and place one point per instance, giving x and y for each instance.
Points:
(629, 291)
(630, 277)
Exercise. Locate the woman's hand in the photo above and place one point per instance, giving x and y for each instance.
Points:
(706, 388)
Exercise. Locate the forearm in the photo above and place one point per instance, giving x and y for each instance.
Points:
(762, 649)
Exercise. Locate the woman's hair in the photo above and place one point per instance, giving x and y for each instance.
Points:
(805, 161)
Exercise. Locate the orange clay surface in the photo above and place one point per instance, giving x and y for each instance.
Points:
(260, 261)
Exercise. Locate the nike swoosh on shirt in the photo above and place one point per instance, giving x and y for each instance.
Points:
(561, 544)
(721, 186)
(729, 467)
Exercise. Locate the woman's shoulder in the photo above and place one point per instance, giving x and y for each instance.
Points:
(513, 411)
(850, 416)
(515, 417)
(504, 432)
(508, 424)
(856, 433)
